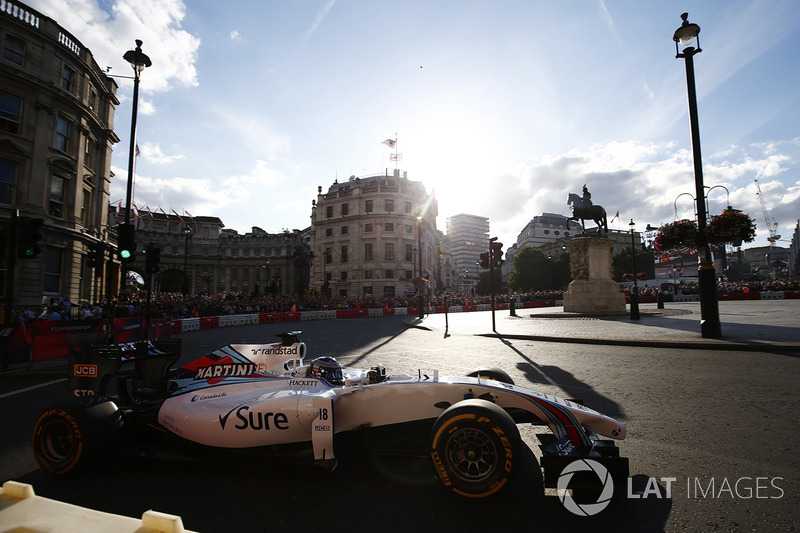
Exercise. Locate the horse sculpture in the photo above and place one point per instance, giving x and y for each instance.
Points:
(591, 212)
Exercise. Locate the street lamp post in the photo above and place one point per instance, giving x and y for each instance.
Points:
(420, 299)
(139, 61)
(635, 294)
(187, 231)
(710, 327)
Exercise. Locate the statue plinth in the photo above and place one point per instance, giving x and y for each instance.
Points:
(592, 290)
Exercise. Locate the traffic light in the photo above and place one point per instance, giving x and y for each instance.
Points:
(497, 254)
(97, 255)
(126, 243)
(28, 237)
(153, 258)
(485, 260)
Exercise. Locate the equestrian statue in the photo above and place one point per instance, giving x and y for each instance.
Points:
(583, 209)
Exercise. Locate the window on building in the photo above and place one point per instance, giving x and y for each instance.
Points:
(344, 254)
(388, 251)
(329, 232)
(345, 209)
(388, 291)
(368, 252)
(14, 50)
(88, 152)
(557, 232)
(57, 196)
(8, 173)
(62, 134)
(93, 100)
(368, 274)
(388, 205)
(408, 207)
(52, 270)
(328, 256)
(408, 228)
(547, 232)
(329, 211)
(388, 227)
(409, 252)
(368, 228)
(85, 205)
(368, 206)
(343, 276)
(388, 274)
(67, 77)
(368, 291)
(409, 274)
(10, 110)
(344, 230)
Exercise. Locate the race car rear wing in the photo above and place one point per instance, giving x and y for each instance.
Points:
(144, 363)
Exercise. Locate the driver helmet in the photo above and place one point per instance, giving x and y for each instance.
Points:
(326, 369)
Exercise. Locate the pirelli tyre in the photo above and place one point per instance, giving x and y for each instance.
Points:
(491, 373)
(475, 448)
(69, 437)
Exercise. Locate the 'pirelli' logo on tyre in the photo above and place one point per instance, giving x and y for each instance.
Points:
(89, 371)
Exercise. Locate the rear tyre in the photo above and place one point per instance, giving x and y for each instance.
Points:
(491, 373)
(475, 447)
(72, 436)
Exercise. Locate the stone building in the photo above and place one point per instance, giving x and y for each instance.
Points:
(367, 234)
(198, 255)
(56, 136)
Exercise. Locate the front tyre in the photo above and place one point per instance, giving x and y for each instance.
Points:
(496, 374)
(475, 448)
(71, 436)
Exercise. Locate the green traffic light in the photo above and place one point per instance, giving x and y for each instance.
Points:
(29, 252)
(125, 254)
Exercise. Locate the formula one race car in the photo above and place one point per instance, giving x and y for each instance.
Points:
(266, 396)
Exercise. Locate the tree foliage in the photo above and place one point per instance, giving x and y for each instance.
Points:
(534, 271)
(623, 263)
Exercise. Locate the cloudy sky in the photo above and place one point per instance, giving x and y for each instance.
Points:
(502, 107)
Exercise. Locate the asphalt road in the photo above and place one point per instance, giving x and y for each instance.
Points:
(712, 428)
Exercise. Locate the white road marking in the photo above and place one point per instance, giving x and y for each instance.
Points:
(26, 389)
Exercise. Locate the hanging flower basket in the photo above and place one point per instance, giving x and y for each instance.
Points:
(421, 283)
(627, 277)
(731, 227)
(679, 234)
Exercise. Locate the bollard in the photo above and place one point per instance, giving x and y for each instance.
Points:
(512, 307)
(635, 306)
(660, 304)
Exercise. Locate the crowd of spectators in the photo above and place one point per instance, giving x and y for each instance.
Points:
(176, 305)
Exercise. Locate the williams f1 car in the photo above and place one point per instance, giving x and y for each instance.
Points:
(267, 396)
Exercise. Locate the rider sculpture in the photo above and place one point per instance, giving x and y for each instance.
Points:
(583, 209)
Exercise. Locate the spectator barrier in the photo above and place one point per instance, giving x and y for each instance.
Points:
(53, 339)
(772, 295)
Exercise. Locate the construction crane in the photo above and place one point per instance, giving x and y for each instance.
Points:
(773, 229)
